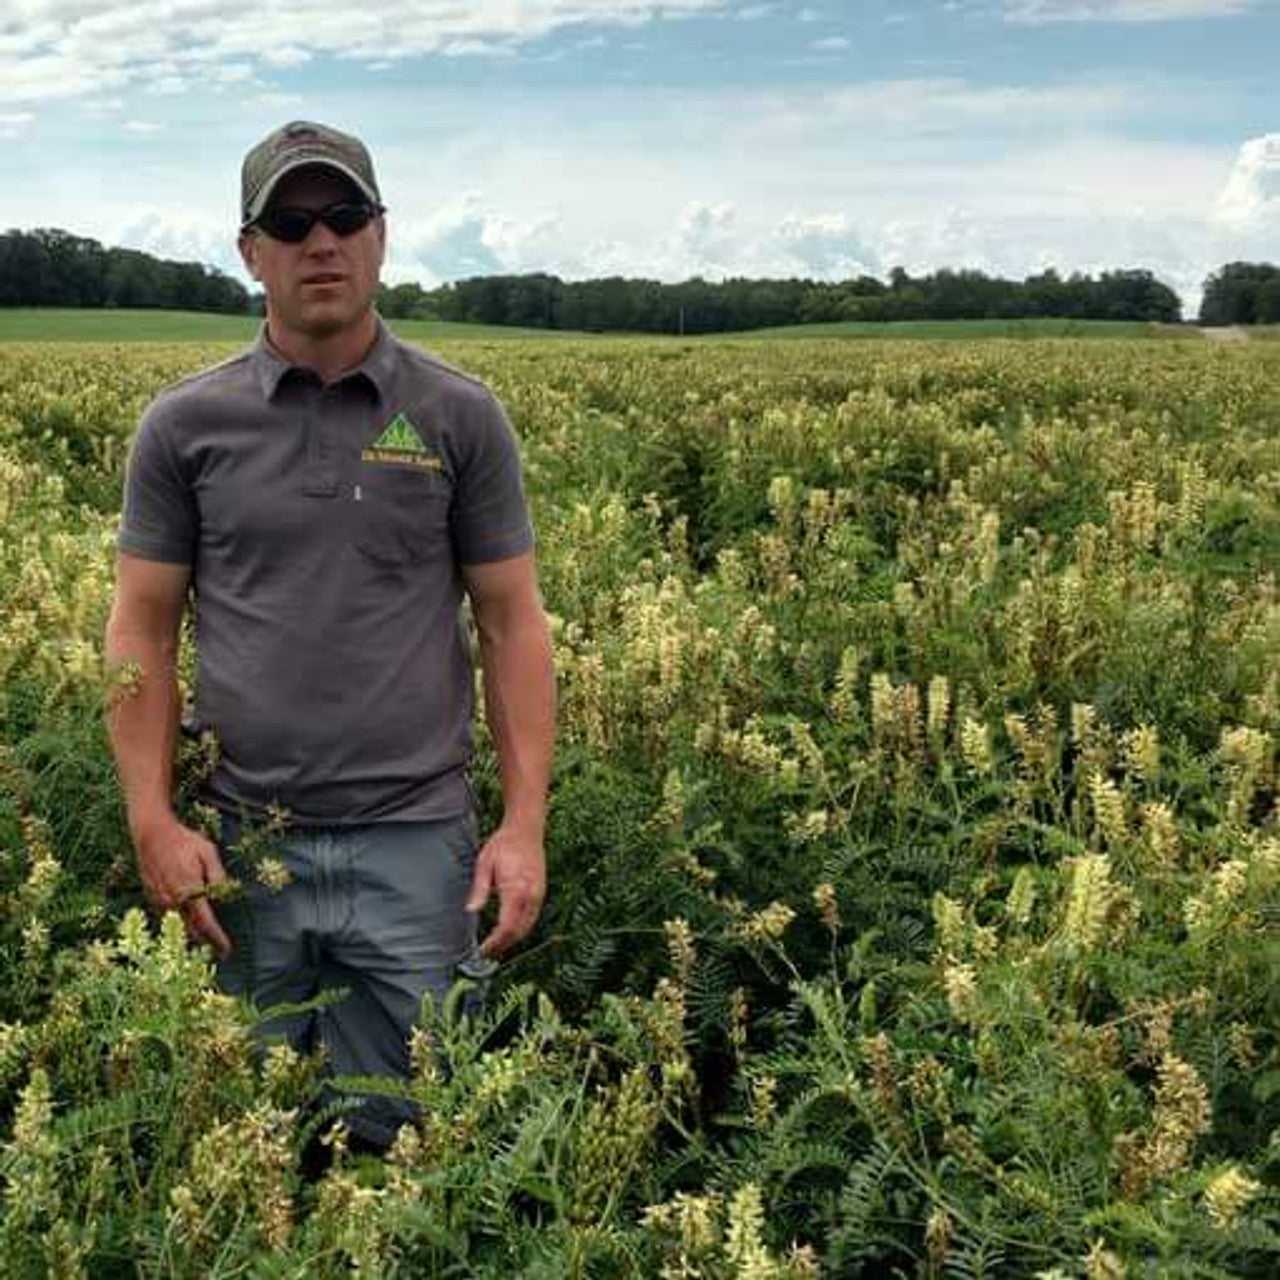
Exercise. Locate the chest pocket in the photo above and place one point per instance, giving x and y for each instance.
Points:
(402, 516)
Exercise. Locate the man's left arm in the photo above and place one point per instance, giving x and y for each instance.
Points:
(520, 708)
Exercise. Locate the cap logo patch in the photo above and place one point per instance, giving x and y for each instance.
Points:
(292, 137)
(401, 443)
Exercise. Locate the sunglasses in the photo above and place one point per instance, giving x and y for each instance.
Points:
(293, 226)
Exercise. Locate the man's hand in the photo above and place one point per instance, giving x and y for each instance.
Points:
(513, 863)
(177, 866)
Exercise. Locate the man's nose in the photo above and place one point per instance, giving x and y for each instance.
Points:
(320, 239)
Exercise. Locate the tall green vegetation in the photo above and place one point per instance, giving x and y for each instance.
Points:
(915, 852)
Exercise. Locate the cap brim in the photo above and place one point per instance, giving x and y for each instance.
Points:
(264, 193)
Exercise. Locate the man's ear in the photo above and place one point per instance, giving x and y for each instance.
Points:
(248, 246)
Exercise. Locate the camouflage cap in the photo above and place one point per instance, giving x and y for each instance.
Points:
(296, 144)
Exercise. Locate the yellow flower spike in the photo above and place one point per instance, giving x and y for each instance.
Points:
(33, 1118)
(960, 982)
(744, 1243)
(1090, 896)
(1022, 897)
(1140, 750)
(680, 946)
(938, 702)
(951, 923)
(975, 746)
(768, 924)
(1228, 1193)
(273, 874)
(134, 938)
(1160, 834)
(1109, 808)
(1101, 1264)
(824, 898)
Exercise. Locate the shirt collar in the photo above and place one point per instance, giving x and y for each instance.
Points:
(377, 367)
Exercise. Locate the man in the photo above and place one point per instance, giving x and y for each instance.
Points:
(327, 496)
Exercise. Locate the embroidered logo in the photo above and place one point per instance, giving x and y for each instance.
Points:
(400, 443)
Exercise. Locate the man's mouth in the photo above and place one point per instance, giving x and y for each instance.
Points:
(327, 277)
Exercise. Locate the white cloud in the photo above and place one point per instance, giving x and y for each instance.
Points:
(1250, 199)
(955, 105)
(64, 48)
(231, 73)
(1245, 221)
(274, 99)
(1043, 11)
(142, 126)
(102, 107)
(705, 235)
(1003, 177)
(478, 47)
(831, 44)
(13, 123)
(179, 237)
(453, 243)
(287, 55)
(471, 236)
(41, 76)
(825, 247)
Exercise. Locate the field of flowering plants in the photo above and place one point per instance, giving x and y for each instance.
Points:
(914, 855)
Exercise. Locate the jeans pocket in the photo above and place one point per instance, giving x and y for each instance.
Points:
(463, 842)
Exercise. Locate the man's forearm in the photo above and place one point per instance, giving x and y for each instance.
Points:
(520, 707)
(142, 724)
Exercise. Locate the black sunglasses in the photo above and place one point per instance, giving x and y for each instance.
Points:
(293, 226)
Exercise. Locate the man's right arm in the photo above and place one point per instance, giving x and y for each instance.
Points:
(142, 722)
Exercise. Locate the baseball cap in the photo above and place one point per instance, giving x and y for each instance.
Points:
(298, 143)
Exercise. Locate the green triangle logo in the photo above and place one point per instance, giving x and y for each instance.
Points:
(400, 436)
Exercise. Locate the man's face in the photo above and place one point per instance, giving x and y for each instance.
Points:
(327, 283)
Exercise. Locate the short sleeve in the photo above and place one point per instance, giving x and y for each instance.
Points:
(160, 520)
(490, 515)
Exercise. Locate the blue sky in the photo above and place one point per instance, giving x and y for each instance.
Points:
(671, 137)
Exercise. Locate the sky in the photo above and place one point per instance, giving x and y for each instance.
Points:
(671, 138)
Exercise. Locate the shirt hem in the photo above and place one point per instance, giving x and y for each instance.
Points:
(450, 801)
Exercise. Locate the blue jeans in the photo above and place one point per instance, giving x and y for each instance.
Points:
(376, 909)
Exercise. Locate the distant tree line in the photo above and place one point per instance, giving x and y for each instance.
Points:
(51, 268)
(699, 306)
(1242, 293)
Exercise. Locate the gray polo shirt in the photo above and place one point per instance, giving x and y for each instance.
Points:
(325, 527)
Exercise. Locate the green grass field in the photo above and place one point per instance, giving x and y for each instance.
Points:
(54, 324)
(969, 329)
(71, 324)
